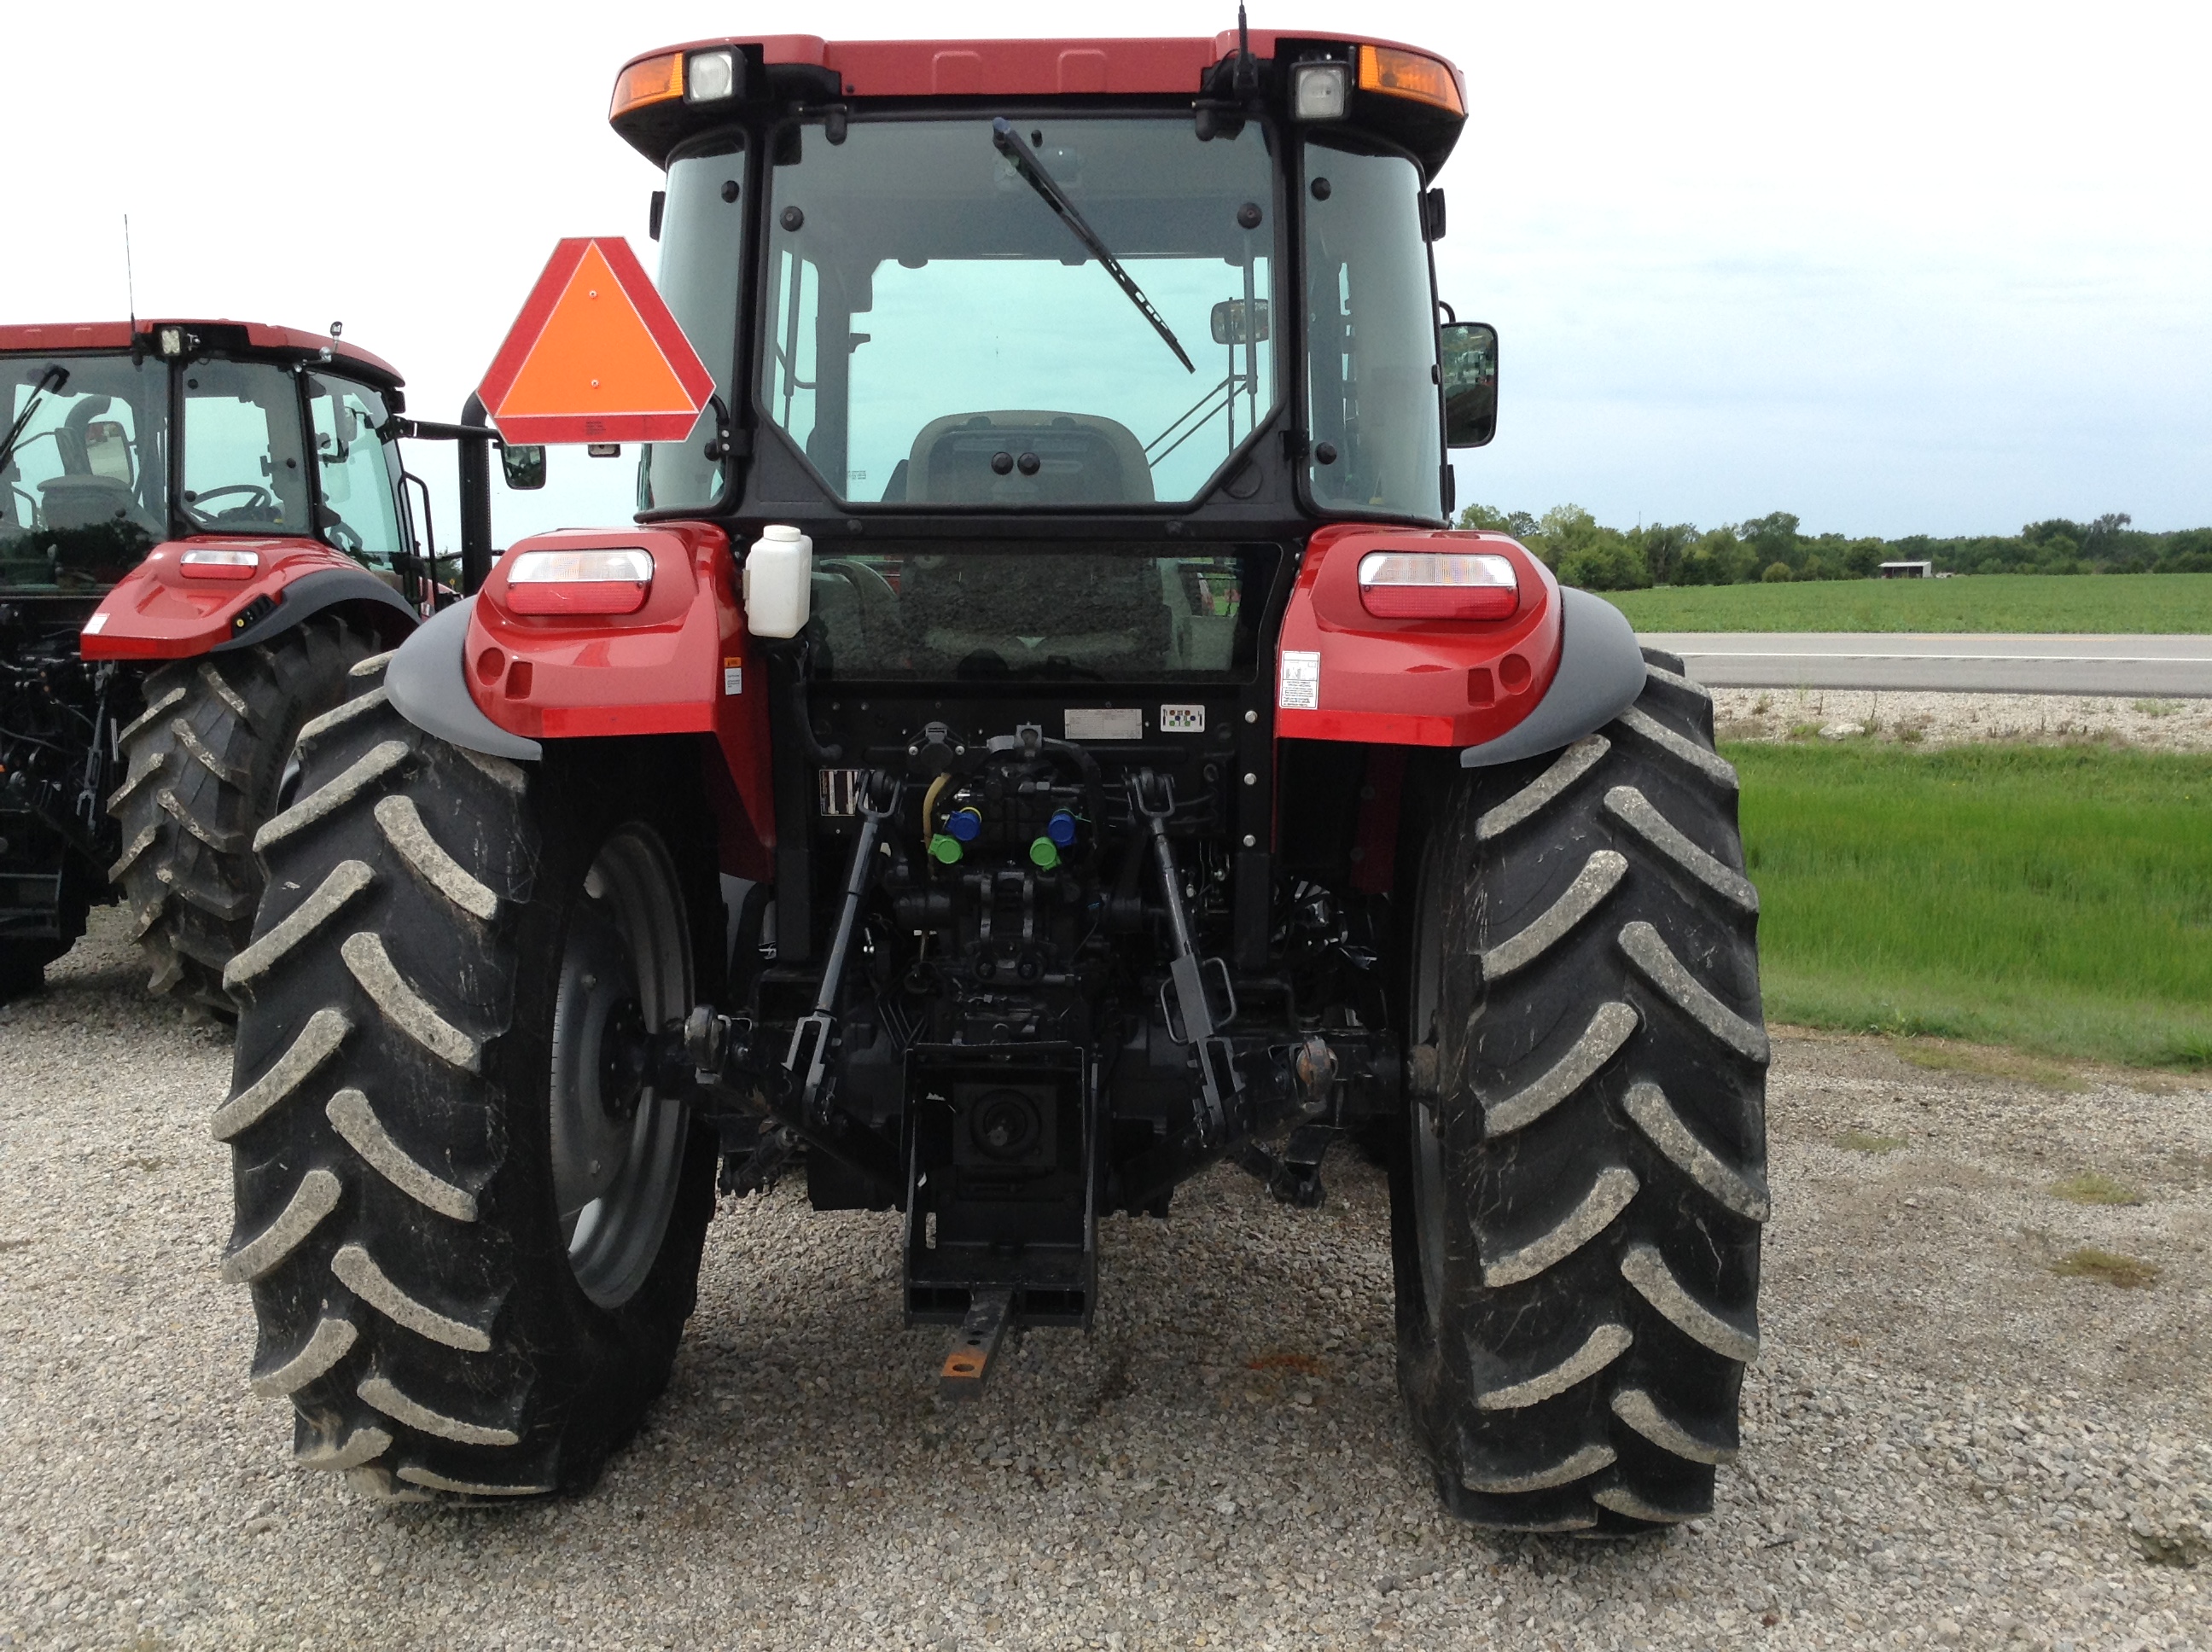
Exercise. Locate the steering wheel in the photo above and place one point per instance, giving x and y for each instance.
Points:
(346, 539)
(262, 496)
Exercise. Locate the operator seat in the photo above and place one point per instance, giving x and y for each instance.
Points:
(1079, 459)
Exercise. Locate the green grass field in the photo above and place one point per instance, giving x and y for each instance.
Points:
(1988, 601)
(2058, 899)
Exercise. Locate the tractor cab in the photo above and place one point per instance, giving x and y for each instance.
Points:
(119, 438)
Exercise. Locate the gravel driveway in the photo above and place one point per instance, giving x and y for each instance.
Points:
(1948, 1441)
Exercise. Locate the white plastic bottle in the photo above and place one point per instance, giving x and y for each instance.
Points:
(779, 589)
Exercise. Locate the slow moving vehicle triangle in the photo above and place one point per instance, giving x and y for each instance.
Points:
(595, 355)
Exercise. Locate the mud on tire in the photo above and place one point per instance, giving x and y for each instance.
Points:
(1576, 1202)
(393, 1156)
(206, 759)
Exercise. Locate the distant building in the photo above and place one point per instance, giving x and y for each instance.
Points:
(1908, 570)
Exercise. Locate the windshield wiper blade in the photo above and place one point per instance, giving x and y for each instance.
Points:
(1010, 144)
(51, 382)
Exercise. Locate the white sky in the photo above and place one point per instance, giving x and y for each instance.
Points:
(1895, 267)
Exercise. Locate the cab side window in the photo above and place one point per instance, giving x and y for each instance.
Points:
(357, 469)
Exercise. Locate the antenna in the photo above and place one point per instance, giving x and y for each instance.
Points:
(129, 285)
(1246, 78)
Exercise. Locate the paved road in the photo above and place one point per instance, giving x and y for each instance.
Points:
(1977, 663)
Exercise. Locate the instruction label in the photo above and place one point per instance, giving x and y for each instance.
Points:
(1300, 684)
(733, 677)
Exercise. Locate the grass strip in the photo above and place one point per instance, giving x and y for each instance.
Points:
(2140, 602)
(2056, 899)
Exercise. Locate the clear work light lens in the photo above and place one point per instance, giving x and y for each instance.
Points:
(1319, 91)
(595, 582)
(1437, 584)
(712, 77)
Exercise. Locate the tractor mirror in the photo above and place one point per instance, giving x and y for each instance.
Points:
(1469, 350)
(1240, 321)
(525, 467)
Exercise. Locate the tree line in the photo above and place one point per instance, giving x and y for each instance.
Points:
(1585, 553)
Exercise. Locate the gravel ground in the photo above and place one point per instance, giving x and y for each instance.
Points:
(1947, 1442)
(1937, 719)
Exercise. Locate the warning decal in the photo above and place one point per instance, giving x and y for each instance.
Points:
(1300, 681)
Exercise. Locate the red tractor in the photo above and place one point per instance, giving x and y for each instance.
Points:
(203, 527)
(1040, 738)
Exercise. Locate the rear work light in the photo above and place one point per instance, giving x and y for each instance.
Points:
(1403, 74)
(710, 76)
(219, 564)
(1320, 91)
(579, 581)
(649, 80)
(1437, 584)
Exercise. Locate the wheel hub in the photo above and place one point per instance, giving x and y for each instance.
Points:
(618, 1142)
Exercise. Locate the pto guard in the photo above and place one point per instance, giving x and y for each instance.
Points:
(1562, 664)
(483, 676)
(157, 611)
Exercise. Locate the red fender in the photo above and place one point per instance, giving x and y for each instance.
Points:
(680, 664)
(1410, 682)
(158, 611)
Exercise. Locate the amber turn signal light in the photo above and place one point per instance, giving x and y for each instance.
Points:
(649, 80)
(1404, 74)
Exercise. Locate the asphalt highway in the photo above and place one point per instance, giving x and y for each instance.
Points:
(1981, 663)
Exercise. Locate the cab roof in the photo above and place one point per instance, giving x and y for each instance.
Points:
(807, 68)
(290, 342)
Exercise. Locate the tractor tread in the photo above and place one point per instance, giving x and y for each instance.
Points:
(204, 764)
(1598, 1115)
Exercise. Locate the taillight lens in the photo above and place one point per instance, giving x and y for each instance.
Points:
(219, 564)
(579, 581)
(1437, 584)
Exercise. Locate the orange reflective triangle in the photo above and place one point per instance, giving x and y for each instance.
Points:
(594, 356)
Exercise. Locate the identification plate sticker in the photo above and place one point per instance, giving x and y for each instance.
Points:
(733, 677)
(1182, 720)
(1119, 723)
(1300, 689)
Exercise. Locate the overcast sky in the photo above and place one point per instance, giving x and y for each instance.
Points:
(1894, 267)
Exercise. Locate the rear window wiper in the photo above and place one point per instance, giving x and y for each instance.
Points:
(1010, 144)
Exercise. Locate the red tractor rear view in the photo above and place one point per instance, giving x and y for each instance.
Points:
(203, 525)
(1040, 739)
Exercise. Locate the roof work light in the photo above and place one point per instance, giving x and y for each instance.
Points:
(710, 76)
(1320, 91)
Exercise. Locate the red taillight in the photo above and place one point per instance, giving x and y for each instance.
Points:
(594, 581)
(219, 564)
(1437, 584)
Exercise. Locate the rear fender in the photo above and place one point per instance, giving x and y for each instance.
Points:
(1346, 674)
(157, 611)
(485, 677)
(1563, 664)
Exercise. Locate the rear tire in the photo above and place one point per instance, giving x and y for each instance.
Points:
(416, 1101)
(1576, 1198)
(205, 761)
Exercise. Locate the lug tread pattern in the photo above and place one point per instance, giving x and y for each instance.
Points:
(1601, 1115)
(204, 763)
(425, 1327)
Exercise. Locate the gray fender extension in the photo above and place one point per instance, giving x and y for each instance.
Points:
(1601, 673)
(428, 687)
(310, 594)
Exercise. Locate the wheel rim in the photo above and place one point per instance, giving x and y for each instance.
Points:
(1426, 1146)
(617, 1147)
